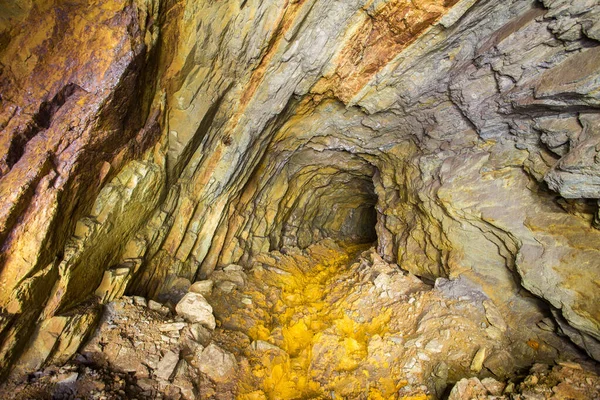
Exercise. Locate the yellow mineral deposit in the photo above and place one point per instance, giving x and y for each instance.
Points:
(310, 304)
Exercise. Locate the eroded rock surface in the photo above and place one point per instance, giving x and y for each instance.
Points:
(194, 308)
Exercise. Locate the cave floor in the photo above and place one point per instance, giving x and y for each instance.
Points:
(333, 321)
(336, 321)
(305, 327)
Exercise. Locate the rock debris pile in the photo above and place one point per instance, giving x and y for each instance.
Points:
(332, 321)
(566, 380)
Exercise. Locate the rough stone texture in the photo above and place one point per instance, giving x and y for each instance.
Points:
(202, 287)
(317, 323)
(218, 364)
(74, 110)
(563, 381)
(320, 324)
(166, 366)
(146, 143)
(135, 352)
(194, 308)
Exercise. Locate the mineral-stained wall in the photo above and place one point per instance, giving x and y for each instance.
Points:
(145, 142)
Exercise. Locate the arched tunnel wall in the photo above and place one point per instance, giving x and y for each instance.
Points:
(308, 196)
(195, 142)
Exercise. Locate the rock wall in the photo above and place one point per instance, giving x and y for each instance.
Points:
(146, 142)
(75, 110)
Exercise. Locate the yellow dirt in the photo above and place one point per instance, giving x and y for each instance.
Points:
(296, 321)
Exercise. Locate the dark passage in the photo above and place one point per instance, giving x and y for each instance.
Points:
(359, 226)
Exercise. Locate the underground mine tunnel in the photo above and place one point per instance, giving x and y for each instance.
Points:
(313, 199)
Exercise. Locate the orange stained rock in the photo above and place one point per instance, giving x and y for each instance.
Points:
(384, 33)
(290, 15)
(533, 344)
(287, 19)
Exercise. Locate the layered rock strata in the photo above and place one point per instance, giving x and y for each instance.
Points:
(145, 143)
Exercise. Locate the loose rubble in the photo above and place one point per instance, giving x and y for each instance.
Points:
(194, 308)
(563, 381)
(333, 321)
(145, 143)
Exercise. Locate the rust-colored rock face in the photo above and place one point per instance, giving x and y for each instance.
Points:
(70, 116)
(385, 30)
(145, 143)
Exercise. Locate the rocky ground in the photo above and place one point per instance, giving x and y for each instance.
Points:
(329, 322)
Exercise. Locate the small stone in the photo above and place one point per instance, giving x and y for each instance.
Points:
(194, 308)
(218, 364)
(382, 282)
(410, 364)
(494, 387)
(501, 363)
(397, 340)
(140, 301)
(261, 345)
(167, 365)
(233, 274)
(434, 346)
(176, 326)
(226, 286)
(470, 388)
(173, 334)
(66, 378)
(510, 388)
(494, 316)
(152, 360)
(200, 334)
(202, 287)
(164, 310)
(154, 305)
(531, 380)
(569, 364)
(494, 333)
(477, 363)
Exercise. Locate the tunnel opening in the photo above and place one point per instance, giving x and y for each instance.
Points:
(359, 227)
(338, 205)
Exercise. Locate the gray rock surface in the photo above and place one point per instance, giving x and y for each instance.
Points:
(218, 364)
(194, 308)
(166, 365)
